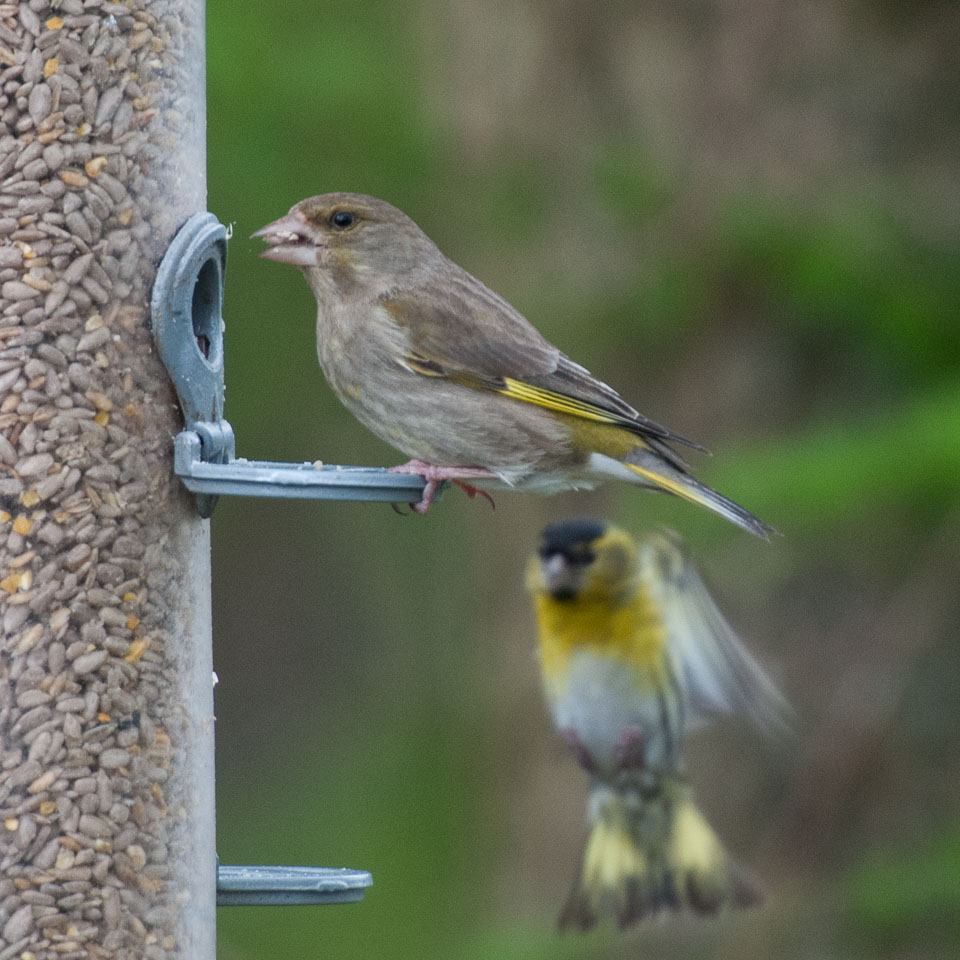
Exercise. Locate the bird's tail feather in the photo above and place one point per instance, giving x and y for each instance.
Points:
(645, 857)
(615, 879)
(652, 469)
(706, 878)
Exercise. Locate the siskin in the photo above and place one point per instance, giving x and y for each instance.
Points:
(439, 366)
(634, 652)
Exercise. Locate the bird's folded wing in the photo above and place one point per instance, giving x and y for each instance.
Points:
(720, 674)
(467, 333)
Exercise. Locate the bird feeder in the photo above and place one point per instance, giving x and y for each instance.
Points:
(107, 844)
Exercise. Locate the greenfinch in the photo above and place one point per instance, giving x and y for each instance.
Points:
(439, 366)
(633, 652)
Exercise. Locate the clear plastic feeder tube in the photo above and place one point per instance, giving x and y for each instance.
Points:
(106, 703)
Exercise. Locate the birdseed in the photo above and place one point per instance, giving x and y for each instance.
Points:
(104, 708)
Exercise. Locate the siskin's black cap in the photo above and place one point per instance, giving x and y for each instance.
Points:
(560, 537)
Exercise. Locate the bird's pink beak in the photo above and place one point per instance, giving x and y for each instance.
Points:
(288, 242)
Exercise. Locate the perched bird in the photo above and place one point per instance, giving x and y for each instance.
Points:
(633, 652)
(439, 366)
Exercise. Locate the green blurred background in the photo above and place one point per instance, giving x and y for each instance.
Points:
(742, 214)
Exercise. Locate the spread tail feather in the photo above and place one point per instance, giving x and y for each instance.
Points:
(615, 879)
(647, 856)
(706, 876)
(654, 470)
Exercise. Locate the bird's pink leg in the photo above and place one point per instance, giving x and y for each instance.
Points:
(434, 476)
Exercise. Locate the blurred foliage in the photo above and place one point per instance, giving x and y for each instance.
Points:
(896, 900)
(744, 217)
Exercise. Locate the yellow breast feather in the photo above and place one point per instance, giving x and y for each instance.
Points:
(631, 632)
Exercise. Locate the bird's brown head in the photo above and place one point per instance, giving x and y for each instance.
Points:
(343, 239)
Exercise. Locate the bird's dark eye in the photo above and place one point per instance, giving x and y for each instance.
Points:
(342, 219)
(575, 558)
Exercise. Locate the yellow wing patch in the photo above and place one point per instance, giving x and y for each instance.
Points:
(518, 390)
(559, 402)
(594, 429)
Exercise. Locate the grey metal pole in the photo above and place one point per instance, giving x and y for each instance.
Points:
(106, 713)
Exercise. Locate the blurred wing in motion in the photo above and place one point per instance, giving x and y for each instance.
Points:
(720, 674)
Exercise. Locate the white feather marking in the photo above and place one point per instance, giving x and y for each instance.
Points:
(602, 465)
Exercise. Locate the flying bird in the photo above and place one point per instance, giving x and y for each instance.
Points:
(634, 653)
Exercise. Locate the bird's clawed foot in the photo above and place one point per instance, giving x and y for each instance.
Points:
(434, 476)
(471, 491)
